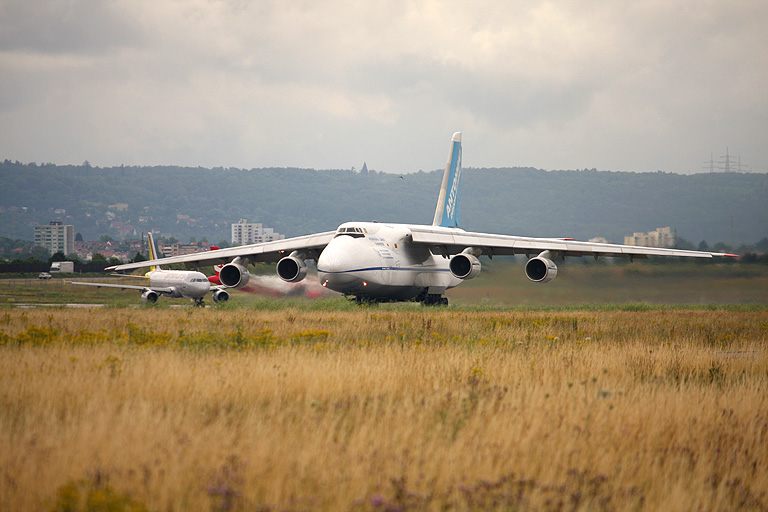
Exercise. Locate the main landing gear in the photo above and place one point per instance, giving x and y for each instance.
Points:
(427, 299)
(435, 300)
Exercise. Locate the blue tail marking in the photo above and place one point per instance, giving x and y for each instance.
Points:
(448, 202)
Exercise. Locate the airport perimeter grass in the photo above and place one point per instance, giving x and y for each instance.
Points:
(502, 283)
(378, 409)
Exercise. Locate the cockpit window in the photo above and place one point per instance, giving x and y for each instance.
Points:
(354, 232)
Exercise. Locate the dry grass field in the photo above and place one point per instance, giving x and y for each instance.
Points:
(374, 409)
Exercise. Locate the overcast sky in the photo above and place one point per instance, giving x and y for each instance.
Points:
(638, 86)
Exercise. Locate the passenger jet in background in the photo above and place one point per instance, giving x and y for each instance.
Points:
(174, 284)
(373, 261)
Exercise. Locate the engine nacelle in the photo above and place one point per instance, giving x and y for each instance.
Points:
(292, 269)
(465, 266)
(220, 296)
(234, 275)
(540, 269)
(150, 296)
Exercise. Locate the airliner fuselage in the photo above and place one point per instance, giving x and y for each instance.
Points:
(180, 283)
(379, 261)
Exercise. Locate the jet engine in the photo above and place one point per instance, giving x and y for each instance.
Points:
(292, 269)
(220, 296)
(465, 266)
(234, 275)
(149, 296)
(540, 269)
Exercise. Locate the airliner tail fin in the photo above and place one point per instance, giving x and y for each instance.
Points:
(447, 211)
(153, 255)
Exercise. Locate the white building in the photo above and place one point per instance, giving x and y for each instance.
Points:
(661, 237)
(56, 237)
(244, 232)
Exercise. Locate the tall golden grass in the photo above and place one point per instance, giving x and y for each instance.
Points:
(383, 409)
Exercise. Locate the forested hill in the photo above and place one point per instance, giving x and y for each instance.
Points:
(198, 202)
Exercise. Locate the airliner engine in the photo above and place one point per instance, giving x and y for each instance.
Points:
(540, 269)
(220, 296)
(234, 275)
(465, 266)
(292, 268)
(149, 296)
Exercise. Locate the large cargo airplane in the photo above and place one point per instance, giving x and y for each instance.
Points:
(373, 261)
(175, 284)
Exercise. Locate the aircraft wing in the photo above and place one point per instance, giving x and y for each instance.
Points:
(267, 251)
(125, 287)
(454, 242)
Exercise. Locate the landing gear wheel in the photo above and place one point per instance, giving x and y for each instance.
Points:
(200, 303)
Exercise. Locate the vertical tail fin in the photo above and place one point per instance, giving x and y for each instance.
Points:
(153, 255)
(447, 211)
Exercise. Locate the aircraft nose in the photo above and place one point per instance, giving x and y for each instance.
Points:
(336, 263)
(340, 263)
(201, 287)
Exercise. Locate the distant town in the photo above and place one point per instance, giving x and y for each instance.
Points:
(57, 237)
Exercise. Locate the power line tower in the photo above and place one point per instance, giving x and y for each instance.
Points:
(725, 161)
(745, 168)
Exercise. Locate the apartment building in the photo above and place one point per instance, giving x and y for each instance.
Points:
(661, 237)
(244, 232)
(56, 237)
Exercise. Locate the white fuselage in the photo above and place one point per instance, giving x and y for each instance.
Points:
(373, 260)
(181, 283)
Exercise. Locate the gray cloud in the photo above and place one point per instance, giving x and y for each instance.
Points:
(623, 86)
(65, 27)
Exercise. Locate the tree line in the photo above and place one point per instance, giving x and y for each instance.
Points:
(198, 202)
